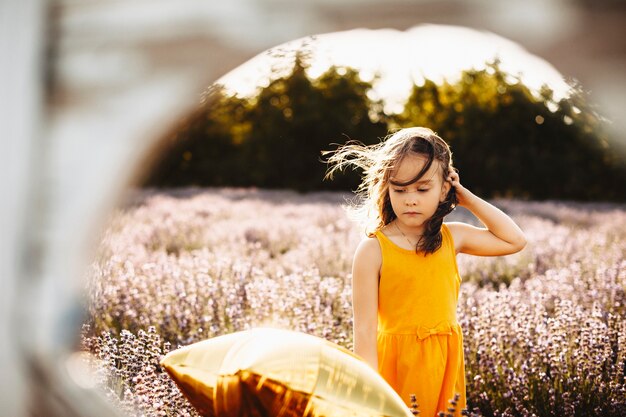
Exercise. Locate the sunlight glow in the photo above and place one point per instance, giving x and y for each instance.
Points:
(436, 52)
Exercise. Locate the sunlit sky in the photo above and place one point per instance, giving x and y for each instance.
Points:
(401, 59)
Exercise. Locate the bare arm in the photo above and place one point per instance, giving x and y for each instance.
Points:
(501, 237)
(365, 273)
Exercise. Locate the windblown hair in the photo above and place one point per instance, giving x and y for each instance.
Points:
(378, 163)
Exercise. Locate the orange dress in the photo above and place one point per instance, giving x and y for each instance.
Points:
(419, 340)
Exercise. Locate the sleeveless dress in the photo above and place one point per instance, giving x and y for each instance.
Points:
(419, 340)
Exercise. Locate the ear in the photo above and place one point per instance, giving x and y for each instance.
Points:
(445, 188)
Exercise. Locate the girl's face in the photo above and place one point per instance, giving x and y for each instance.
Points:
(415, 203)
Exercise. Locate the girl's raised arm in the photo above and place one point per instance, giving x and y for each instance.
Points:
(365, 273)
(501, 237)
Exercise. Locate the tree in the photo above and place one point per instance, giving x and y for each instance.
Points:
(508, 142)
(275, 139)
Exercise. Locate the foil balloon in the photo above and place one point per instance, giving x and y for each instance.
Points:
(279, 373)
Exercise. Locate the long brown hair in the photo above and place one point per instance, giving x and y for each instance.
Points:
(378, 162)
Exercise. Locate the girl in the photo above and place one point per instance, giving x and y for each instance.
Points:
(405, 281)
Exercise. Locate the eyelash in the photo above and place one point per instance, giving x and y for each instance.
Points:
(420, 190)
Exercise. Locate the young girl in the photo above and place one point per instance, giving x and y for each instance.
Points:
(405, 281)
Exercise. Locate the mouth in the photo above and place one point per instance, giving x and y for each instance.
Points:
(411, 212)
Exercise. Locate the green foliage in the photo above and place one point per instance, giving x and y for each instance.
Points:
(207, 149)
(506, 141)
(273, 140)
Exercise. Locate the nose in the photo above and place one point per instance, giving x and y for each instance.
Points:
(412, 199)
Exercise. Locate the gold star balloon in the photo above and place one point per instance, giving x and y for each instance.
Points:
(279, 373)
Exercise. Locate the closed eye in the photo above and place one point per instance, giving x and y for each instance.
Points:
(421, 190)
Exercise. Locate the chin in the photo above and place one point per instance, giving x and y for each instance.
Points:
(412, 222)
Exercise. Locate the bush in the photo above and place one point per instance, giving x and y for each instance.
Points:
(507, 141)
(274, 139)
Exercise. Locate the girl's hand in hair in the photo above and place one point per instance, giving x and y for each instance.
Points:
(463, 195)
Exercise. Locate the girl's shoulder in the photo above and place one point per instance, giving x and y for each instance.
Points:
(369, 243)
(369, 250)
(455, 230)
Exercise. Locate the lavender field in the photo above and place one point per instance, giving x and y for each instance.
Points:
(544, 329)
